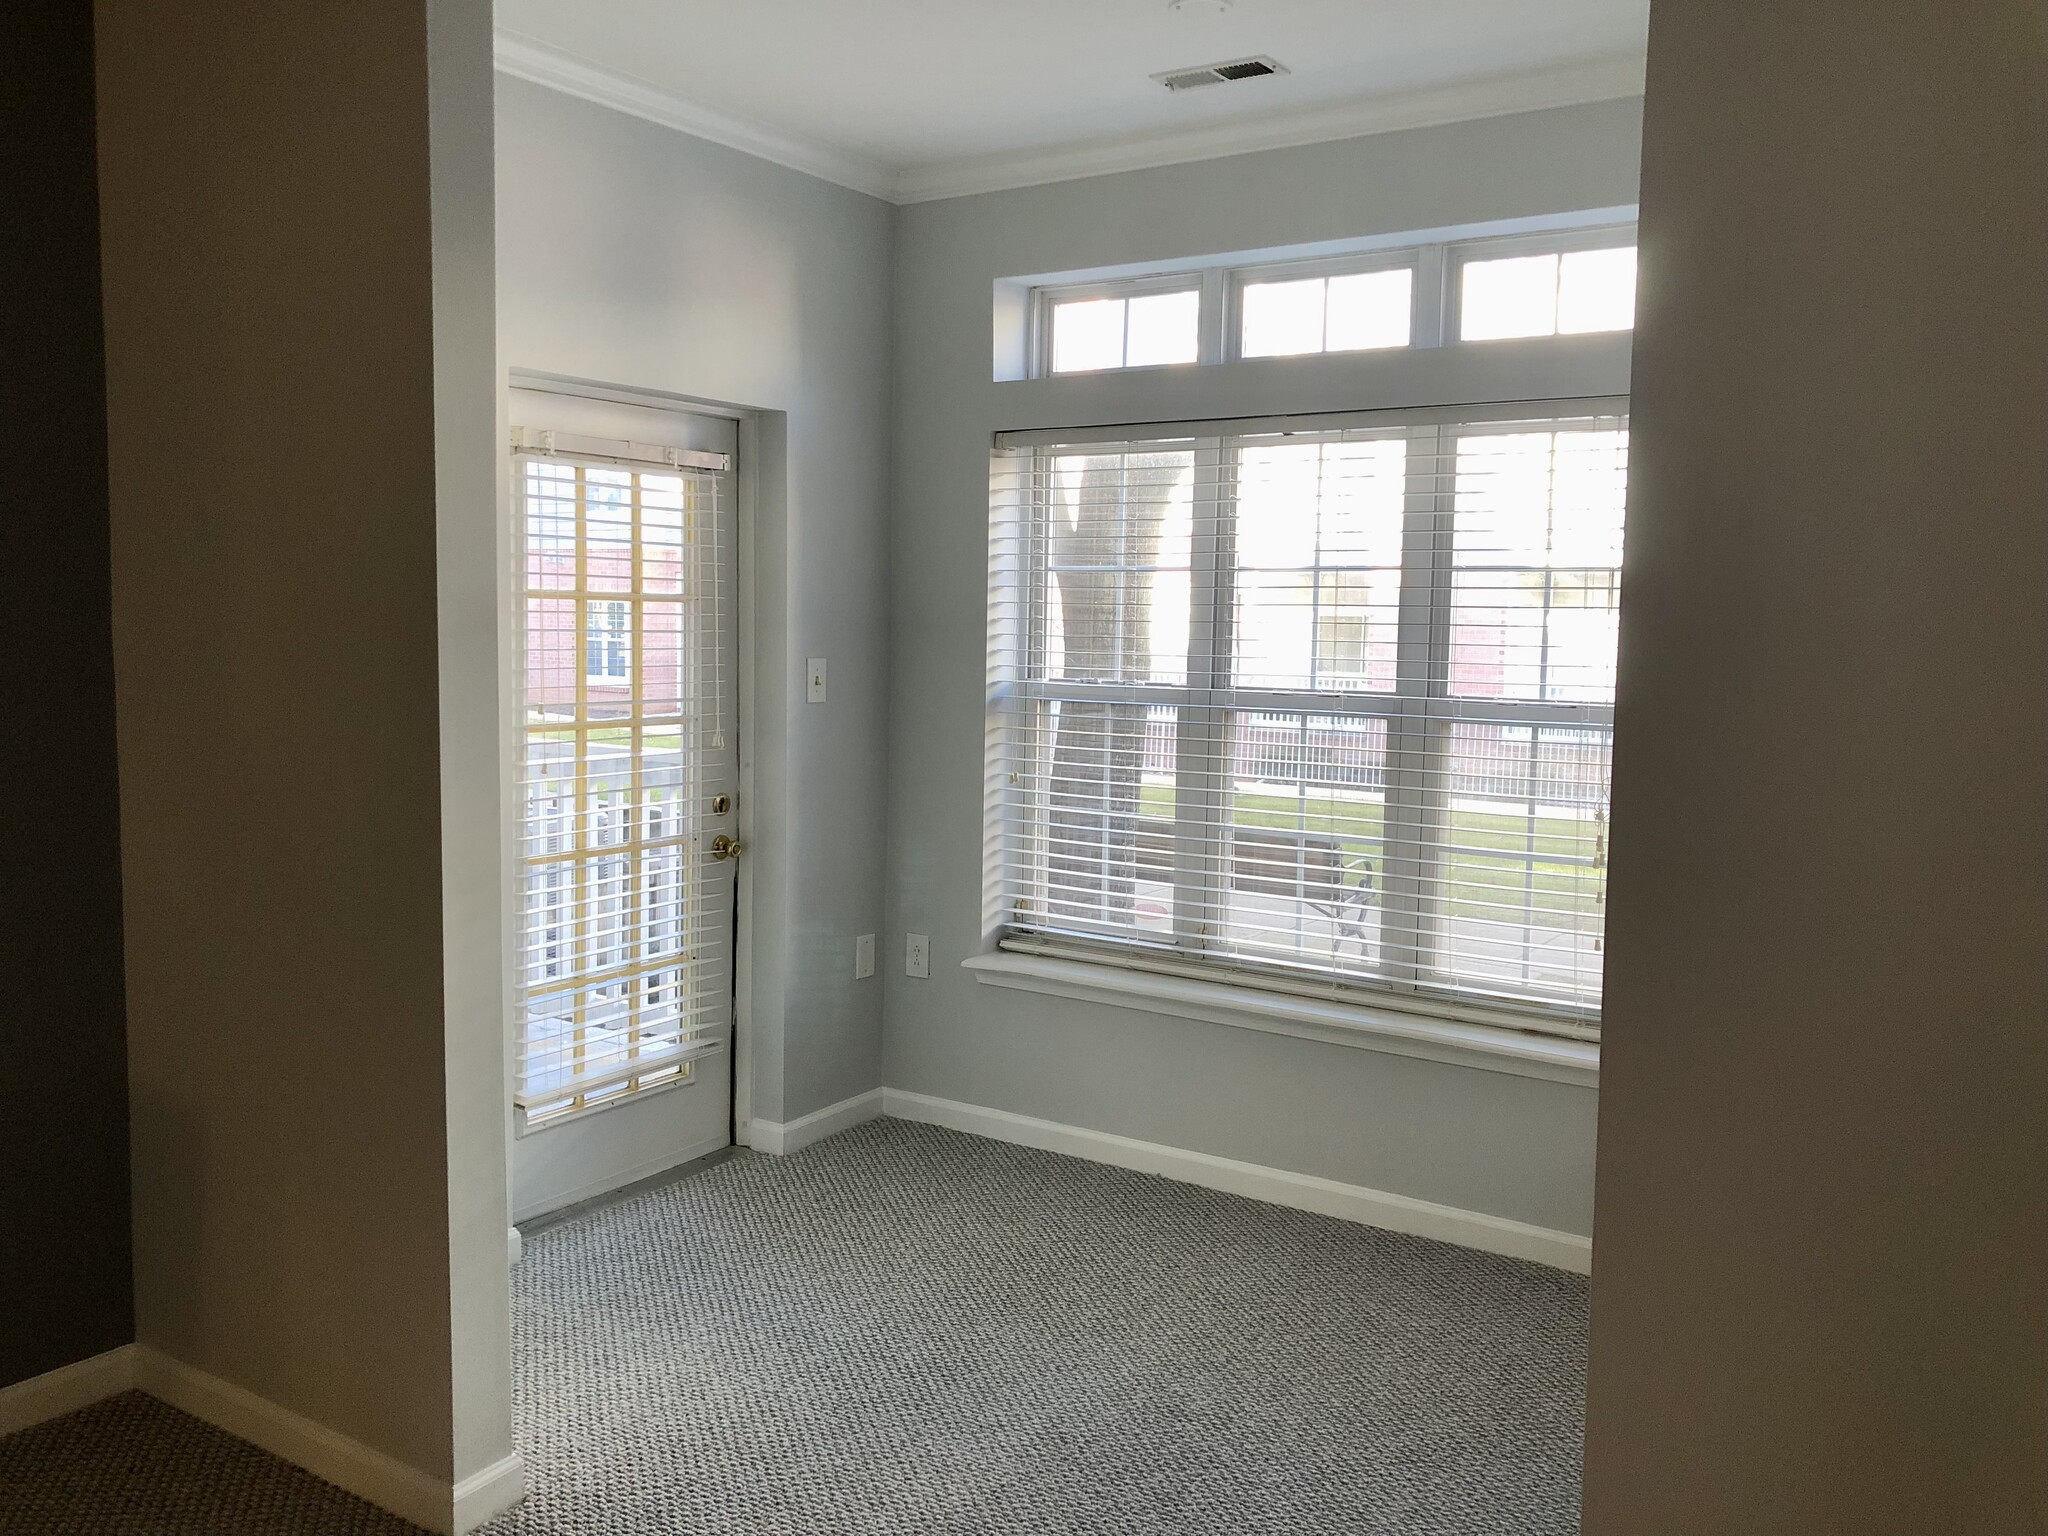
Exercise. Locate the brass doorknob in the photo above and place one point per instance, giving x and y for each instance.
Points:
(723, 847)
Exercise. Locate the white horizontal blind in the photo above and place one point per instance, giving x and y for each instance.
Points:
(1328, 705)
(625, 924)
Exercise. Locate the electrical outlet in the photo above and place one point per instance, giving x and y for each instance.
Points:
(864, 957)
(814, 686)
(917, 954)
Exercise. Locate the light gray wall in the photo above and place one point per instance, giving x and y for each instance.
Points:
(1823, 1204)
(1507, 1146)
(296, 241)
(633, 255)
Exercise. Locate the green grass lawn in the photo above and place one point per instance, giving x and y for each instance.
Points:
(1480, 887)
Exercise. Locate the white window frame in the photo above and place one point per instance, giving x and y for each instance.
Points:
(1502, 248)
(673, 1066)
(1043, 301)
(1438, 294)
(1424, 295)
(1418, 705)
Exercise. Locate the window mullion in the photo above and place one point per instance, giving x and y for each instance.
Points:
(1214, 343)
(1432, 298)
(632, 898)
(1413, 823)
(1027, 747)
(1202, 736)
(582, 897)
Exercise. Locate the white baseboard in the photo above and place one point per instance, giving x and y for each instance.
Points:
(66, 1389)
(369, 1474)
(483, 1496)
(1302, 1191)
(794, 1135)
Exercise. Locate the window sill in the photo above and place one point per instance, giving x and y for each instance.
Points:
(1389, 1030)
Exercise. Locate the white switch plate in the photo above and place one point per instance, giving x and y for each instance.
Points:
(863, 956)
(917, 954)
(814, 688)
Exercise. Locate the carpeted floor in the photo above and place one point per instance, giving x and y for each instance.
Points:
(132, 1466)
(905, 1330)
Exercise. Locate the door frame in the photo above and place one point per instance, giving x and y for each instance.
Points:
(746, 478)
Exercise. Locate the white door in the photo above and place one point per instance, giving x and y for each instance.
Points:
(625, 796)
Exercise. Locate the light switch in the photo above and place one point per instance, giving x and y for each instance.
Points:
(917, 954)
(863, 956)
(814, 688)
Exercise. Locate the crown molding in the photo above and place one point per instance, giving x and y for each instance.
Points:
(525, 59)
(1575, 85)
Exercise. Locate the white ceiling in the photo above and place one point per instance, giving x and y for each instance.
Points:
(917, 98)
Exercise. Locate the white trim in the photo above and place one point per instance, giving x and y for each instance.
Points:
(367, 1473)
(1278, 1186)
(483, 1496)
(66, 1389)
(348, 1464)
(526, 59)
(1397, 1033)
(781, 1138)
(604, 1184)
(746, 680)
(1608, 79)
(1575, 85)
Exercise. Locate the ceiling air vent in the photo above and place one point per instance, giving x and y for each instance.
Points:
(1216, 74)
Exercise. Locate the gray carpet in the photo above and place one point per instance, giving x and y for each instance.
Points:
(132, 1466)
(905, 1330)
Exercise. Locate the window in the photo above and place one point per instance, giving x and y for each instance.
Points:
(1342, 312)
(607, 646)
(1329, 704)
(622, 977)
(1546, 293)
(1562, 282)
(1092, 330)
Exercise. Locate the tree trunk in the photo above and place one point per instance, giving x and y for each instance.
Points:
(1115, 523)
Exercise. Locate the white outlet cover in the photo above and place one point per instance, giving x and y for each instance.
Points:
(863, 957)
(917, 954)
(814, 686)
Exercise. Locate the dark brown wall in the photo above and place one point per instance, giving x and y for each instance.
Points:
(1820, 1297)
(64, 1251)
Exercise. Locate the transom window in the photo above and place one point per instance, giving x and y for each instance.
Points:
(1331, 705)
(1564, 282)
(1546, 293)
(1343, 312)
(1093, 329)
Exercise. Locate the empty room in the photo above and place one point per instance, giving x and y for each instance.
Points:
(1105, 766)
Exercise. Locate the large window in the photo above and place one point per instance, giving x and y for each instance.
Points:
(1324, 706)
